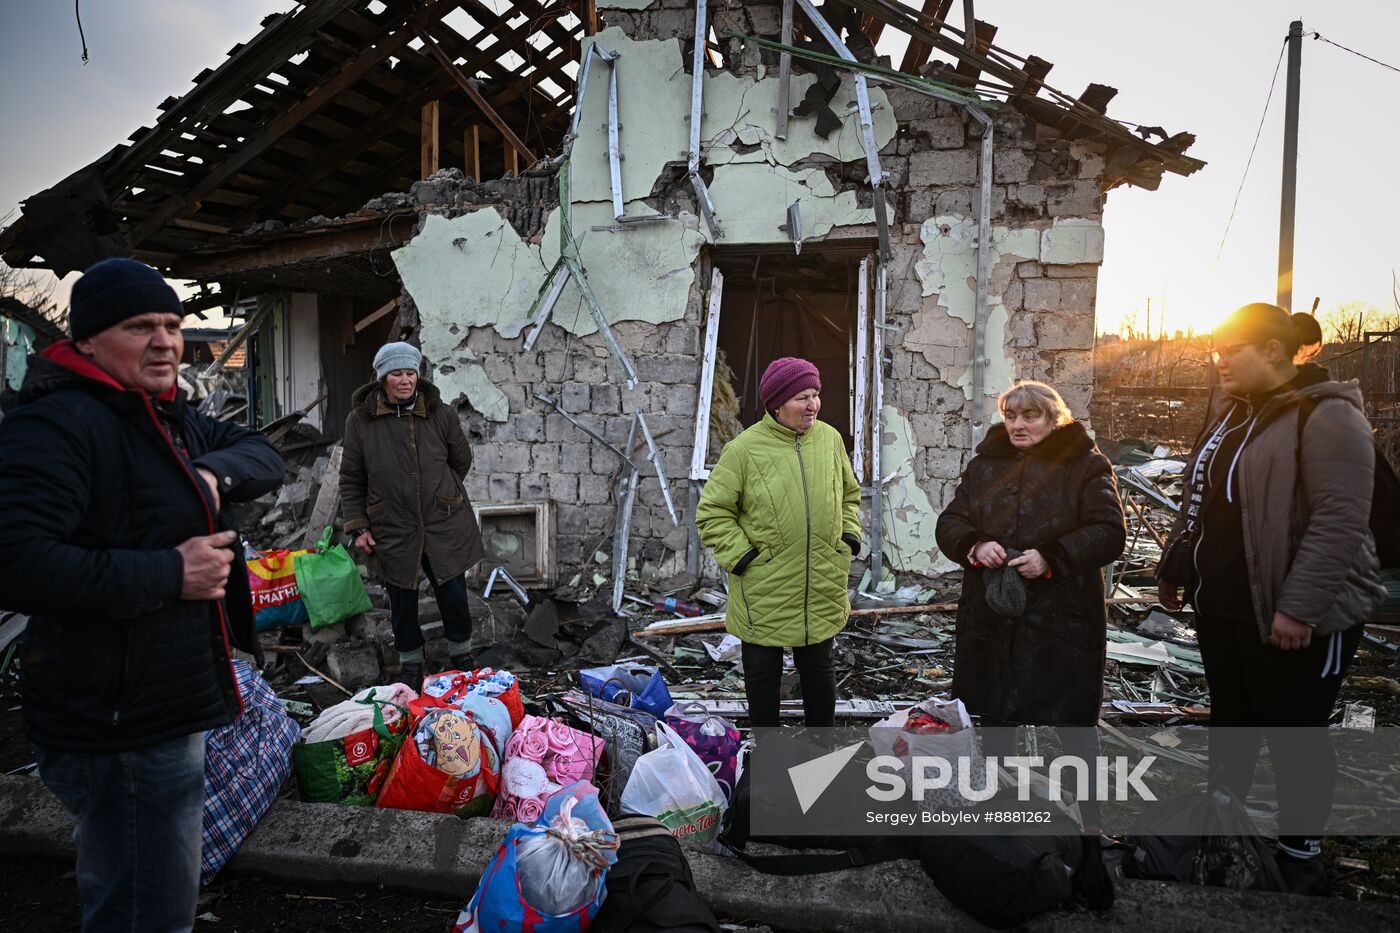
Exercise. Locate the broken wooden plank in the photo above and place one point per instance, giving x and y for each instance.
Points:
(471, 152)
(512, 140)
(288, 120)
(327, 499)
(707, 624)
(1097, 96)
(916, 53)
(430, 142)
(376, 314)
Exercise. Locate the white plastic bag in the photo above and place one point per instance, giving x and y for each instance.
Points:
(673, 785)
(889, 737)
(558, 869)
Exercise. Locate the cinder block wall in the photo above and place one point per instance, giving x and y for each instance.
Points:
(1042, 325)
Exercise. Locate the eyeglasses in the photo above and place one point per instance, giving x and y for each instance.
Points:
(1230, 350)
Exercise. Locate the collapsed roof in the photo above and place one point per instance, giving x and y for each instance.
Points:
(322, 110)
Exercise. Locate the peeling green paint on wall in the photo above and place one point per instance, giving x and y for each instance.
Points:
(738, 110)
(643, 273)
(471, 271)
(461, 376)
(910, 519)
(947, 271)
(653, 99)
(751, 201)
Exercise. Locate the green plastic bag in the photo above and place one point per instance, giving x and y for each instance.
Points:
(330, 584)
(350, 770)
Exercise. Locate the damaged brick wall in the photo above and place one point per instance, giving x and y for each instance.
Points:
(474, 271)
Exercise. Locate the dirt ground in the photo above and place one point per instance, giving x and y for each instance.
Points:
(42, 897)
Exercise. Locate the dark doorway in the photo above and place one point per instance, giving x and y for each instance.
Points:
(778, 304)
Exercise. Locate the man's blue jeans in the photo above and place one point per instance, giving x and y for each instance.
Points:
(139, 816)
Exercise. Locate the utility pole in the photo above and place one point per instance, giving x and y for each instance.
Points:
(1288, 200)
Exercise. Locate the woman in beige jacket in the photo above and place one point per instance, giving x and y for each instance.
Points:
(1274, 548)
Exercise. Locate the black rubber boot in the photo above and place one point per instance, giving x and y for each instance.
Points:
(1307, 876)
(411, 673)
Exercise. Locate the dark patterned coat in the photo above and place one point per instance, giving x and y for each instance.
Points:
(1059, 497)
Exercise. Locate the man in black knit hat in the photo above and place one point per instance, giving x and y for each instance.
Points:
(111, 539)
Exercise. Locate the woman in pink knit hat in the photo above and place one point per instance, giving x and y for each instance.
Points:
(781, 510)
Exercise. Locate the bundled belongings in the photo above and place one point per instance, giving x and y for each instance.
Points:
(545, 878)
(245, 765)
(1003, 881)
(935, 728)
(449, 765)
(650, 889)
(329, 582)
(345, 754)
(714, 739)
(627, 734)
(636, 685)
(541, 757)
(1203, 838)
(673, 785)
(272, 580)
(448, 687)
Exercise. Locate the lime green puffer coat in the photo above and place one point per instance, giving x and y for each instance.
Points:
(790, 499)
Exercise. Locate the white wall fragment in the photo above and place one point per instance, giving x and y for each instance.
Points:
(910, 518)
(1072, 240)
(947, 270)
(751, 201)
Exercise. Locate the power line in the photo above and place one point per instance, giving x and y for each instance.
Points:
(1318, 35)
(1250, 160)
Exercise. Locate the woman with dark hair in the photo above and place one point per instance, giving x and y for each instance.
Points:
(1034, 519)
(1274, 549)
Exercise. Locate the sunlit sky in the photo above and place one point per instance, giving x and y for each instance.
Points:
(1202, 67)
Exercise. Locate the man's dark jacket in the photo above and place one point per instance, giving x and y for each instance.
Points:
(95, 495)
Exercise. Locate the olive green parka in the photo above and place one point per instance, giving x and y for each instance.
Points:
(401, 478)
(782, 513)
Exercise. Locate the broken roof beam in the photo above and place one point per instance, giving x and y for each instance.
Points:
(216, 89)
(289, 119)
(923, 27)
(916, 53)
(512, 140)
(1097, 96)
(981, 43)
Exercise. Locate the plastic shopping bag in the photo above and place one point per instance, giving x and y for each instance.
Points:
(713, 738)
(330, 584)
(272, 580)
(636, 685)
(939, 729)
(545, 879)
(245, 765)
(446, 688)
(448, 765)
(350, 769)
(674, 785)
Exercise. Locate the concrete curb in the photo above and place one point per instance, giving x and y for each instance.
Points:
(442, 856)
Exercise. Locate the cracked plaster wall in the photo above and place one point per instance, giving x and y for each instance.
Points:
(473, 280)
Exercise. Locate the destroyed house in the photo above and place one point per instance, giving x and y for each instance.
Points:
(600, 231)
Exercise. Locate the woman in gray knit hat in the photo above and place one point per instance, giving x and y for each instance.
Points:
(404, 460)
